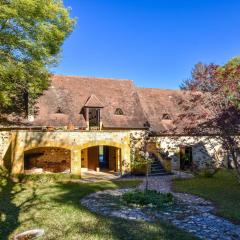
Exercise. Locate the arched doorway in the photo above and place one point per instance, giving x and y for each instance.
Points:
(101, 158)
(47, 159)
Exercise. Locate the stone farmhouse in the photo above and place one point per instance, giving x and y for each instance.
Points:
(83, 123)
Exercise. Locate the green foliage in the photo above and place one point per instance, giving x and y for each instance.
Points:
(31, 35)
(3, 172)
(3, 176)
(149, 197)
(140, 162)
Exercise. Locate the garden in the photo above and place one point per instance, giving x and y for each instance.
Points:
(54, 205)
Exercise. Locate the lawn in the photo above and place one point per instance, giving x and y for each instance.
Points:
(222, 189)
(55, 207)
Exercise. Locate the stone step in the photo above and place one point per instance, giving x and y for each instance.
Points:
(157, 163)
(153, 172)
(157, 169)
(160, 174)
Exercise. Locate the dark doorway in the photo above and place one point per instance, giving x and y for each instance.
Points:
(185, 158)
(94, 118)
(103, 157)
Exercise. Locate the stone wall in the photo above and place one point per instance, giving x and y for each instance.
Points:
(84, 156)
(127, 141)
(203, 150)
(5, 151)
(75, 141)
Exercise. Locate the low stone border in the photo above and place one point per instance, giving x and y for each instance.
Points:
(107, 203)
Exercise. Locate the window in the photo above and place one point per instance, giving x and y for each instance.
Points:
(59, 110)
(119, 111)
(147, 124)
(166, 116)
(185, 157)
(94, 118)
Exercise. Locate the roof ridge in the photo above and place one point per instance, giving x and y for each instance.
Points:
(92, 77)
(163, 89)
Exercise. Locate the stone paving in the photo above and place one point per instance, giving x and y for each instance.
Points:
(107, 203)
(192, 214)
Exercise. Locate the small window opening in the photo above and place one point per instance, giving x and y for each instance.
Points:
(59, 110)
(166, 116)
(118, 111)
(147, 124)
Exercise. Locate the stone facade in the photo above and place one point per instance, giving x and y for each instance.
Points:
(74, 141)
(203, 150)
(5, 140)
(73, 148)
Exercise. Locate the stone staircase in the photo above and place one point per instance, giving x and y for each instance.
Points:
(156, 167)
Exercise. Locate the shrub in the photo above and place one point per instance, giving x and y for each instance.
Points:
(158, 200)
(3, 172)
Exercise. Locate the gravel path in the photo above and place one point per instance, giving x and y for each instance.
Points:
(193, 215)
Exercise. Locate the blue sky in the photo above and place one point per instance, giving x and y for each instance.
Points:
(153, 42)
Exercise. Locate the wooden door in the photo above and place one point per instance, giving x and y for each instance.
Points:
(93, 157)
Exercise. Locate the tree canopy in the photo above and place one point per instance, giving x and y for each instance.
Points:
(218, 89)
(31, 35)
(216, 79)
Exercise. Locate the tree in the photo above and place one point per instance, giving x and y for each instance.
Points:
(218, 95)
(201, 78)
(31, 35)
(142, 162)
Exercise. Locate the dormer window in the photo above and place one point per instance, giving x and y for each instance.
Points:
(59, 110)
(119, 111)
(94, 118)
(92, 112)
(166, 116)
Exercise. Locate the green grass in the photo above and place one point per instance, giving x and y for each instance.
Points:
(222, 189)
(44, 178)
(55, 207)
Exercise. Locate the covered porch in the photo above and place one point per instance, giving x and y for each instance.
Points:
(101, 158)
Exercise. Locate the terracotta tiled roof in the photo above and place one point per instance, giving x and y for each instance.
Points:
(93, 101)
(63, 102)
(157, 103)
(70, 94)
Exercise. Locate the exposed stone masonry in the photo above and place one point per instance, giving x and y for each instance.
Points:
(5, 138)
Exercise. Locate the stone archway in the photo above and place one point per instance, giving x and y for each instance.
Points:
(75, 142)
(122, 156)
(101, 158)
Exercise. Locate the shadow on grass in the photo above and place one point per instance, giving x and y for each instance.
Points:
(56, 208)
(9, 210)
